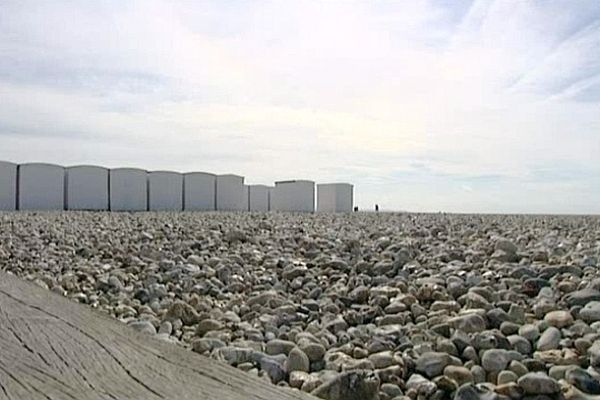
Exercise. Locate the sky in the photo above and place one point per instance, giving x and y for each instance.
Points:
(446, 105)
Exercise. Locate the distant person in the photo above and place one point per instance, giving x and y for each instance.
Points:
(356, 209)
(376, 207)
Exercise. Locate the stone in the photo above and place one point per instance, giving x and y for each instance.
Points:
(336, 325)
(432, 364)
(359, 295)
(354, 385)
(582, 297)
(478, 373)
(510, 389)
(205, 345)
(509, 328)
(445, 384)
(594, 354)
(460, 375)
(495, 360)
(297, 378)
(506, 245)
(557, 372)
(497, 316)
(278, 346)
(470, 323)
(518, 368)
(447, 346)
(461, 340)
(182, 311)
(520, 344)
(471, 354)
(507, 377)
(298, 361)
(535, 383)
(530, 332)
(262, 299)
(382, 359)
(583, 381)
(166, 327)
(559, 318)
(582, 345)
(314, 351)
(590, 312)
(208, 325)
(549, 340)
(274, 368)
(234, 355)
(391, 390)
(471, 391)
(517, 313)
(570, 392)
(311, 383)
(420, 385)
(143, 327)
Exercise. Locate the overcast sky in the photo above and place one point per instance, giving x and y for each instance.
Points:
(468, 106)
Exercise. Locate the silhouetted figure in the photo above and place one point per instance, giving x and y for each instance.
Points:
(356, 209)
(376, 207)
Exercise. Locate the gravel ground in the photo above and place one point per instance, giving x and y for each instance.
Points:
(358, 306)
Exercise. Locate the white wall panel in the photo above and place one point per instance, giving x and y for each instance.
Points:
(271, 188)
(41, 187)
(246, 198)
(128, 189)
(344, 197)
(199, 191)
(87, 187)
(259, 198)
(230, 193)
(165, 191)
(334, 197)
(8, 186)
(294, 196)
(326, 198)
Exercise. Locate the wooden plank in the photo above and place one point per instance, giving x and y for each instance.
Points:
(53, 348)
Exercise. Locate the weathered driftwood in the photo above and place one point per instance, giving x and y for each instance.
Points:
(53, 348)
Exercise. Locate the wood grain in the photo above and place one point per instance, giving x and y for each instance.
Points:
(53, 348)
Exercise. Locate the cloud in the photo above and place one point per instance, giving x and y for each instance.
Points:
(428, 105)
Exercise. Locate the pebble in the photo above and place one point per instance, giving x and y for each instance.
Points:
(495, 360)
(511, 390)
(549, 340)
(298, 361)
(559, 319)
(583, 381)
(590, 312)
(535, 383)
(391, 390)
(411, 307)
(278, 346)
(208, 325)
(518, 368)
(470, 391)
(460, 375)
(432, 363)
(314, 351)
(530, 332)
(470, 323)
(297, 378)
(582, 297)
(507, 377)
(420, 385)
(143, 326)
(354, 385)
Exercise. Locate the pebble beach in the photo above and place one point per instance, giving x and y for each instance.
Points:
(359, 306)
